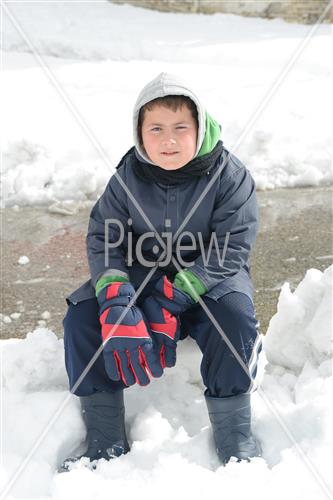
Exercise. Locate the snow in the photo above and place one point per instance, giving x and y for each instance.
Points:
(172, 452)
(15, 315)
(23, 260)
(6, 319)
(309, 311)
(72, 71)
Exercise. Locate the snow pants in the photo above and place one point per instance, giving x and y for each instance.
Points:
(221, 371)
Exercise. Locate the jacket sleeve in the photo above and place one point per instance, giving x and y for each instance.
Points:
(107, 230)
(235, 224)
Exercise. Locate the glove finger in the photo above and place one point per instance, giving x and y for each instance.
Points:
(139, 371)
(150, 360)
(157, 339)
(158, 347)
(125, 368)
(170, 354)
(111, 366)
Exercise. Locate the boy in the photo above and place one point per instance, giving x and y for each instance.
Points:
(178, 201)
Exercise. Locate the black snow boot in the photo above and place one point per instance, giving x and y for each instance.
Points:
(231, 423)
(104, 416)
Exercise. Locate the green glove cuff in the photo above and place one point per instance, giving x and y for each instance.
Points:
(189, 283)
(106, 280)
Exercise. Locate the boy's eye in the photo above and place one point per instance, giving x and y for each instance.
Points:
(156, 129)
(181, 127)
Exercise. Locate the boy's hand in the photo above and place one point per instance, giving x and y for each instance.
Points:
(162, 311)
(128, 348)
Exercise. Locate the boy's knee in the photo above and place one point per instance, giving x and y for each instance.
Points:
(238, 308)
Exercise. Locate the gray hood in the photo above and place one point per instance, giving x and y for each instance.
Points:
(166, 84)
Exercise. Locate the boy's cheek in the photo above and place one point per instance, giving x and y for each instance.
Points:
(149, 144)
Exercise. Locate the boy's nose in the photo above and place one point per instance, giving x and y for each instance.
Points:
(169, 140)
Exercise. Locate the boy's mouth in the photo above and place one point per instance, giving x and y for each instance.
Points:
(165, 153)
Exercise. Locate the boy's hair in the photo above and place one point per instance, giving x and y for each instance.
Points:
(173, 102)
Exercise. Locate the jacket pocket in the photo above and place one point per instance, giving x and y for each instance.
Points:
(240, 282)
(85, 292)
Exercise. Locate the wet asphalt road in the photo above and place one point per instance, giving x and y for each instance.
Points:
(295, 235)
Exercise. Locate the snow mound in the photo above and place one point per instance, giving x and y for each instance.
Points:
(300, 332)
(298, 376)
(34, 176)
(172, 452)
(35, 363)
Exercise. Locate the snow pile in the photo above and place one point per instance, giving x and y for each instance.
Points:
(33, 176)
(68, 115)
(172, 453)
(298, 377)
(299, 335)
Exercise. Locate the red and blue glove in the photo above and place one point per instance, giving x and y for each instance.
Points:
(162, 310)
(128, 348)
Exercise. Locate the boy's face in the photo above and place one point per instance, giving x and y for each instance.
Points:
(169, 137)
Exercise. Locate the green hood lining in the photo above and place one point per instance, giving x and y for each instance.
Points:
(212, 136)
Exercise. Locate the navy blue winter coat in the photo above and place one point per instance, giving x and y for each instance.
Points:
(229, 206)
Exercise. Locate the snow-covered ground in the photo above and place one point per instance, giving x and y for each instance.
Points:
(172, 453)
(72, 71)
